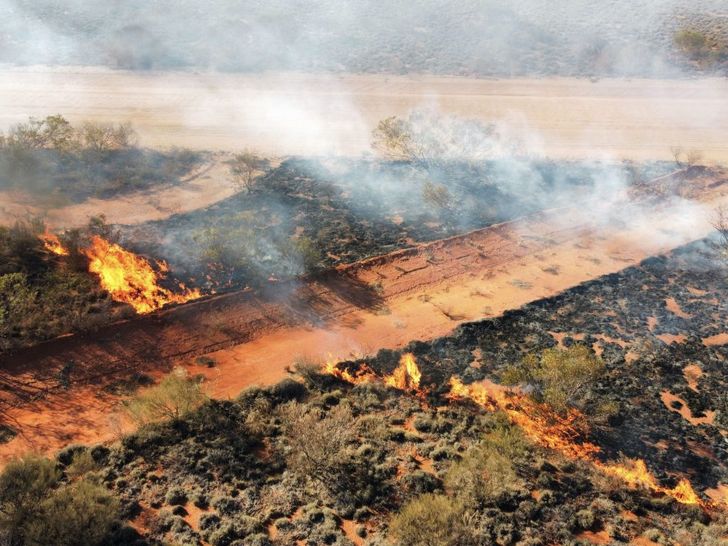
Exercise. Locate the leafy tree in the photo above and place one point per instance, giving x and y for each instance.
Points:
(560, 377)
(176, 396)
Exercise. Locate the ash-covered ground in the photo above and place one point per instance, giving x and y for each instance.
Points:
(652, 324)
(310, 214)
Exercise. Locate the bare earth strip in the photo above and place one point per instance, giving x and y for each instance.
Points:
(207, 185)
(284, 114)
(384, 302)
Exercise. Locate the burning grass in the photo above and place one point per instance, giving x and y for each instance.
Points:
(421, 441)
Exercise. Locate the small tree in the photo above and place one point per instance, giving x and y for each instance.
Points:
(693, 43)
(321, 446)
(429, 138)
(436, 195)
(243, 168)
(175, 396)
(677, 153)
(559, 377)
(105, 137)
(393, 139)
(693, 157)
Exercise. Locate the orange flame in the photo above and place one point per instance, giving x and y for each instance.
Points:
(130, 278)
(405, 377)
(559, 433)
(538, 421)
(52, 243)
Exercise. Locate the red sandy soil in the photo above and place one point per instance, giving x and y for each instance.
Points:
(312, 114)
(384, 302)
(692, 374)
(204, 186)
(684, 410)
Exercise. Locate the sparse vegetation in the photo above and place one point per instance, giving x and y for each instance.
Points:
(244, 166)
(56, 161)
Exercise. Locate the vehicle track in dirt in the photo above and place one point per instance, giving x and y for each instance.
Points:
(58, 392)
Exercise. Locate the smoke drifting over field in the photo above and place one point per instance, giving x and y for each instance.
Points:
(461, 161)
(484, 37)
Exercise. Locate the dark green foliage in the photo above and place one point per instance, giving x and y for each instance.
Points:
(80, 514)
(37, 509)
(43, 295)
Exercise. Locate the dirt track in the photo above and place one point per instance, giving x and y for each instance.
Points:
(384, 302)
(283, 114)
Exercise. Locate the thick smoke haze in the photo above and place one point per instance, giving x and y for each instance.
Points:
(469, 37)
(179, 49)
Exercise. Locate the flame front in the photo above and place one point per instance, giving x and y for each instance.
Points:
(52, 243)
(551, 430)
(405, 377)
(130, 278)
(538, 422)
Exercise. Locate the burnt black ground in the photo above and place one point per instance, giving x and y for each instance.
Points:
(618, 306)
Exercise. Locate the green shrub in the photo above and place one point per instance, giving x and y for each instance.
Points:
(24, 485)
(174, 397)
(81, 514)
(561, 377)
(481, 474)
(428, 520)
(176, 496)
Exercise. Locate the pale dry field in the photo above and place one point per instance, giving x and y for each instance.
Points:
(283, 114)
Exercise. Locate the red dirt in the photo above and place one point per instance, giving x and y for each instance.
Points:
(692, 374)
(718, 339)
(384, 302)
(668, 399)
(600, 537)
